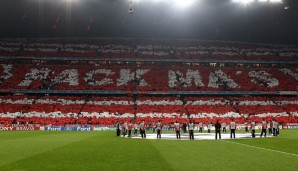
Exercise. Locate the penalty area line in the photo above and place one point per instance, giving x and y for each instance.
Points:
(268, 149)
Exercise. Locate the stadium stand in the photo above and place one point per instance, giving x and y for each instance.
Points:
(42, 83)
(147, 48)
(143, 79)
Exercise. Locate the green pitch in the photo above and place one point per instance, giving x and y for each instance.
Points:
(104, 151)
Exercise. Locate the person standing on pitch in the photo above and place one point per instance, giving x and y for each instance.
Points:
(253, 128)
(191, 128)
(158, 129)
(274, 126)
(201, 127)
(135, 125)
(232, 128)
(246, 127)
(264, 128)
(277, 128)
(177, 128)
(217, 130)
(124, 128)
(143, 129)
(118, 129)
(269, 126)
(153, 127)
(130, 127)
(184, 127)
(224, 127)
(209, 127)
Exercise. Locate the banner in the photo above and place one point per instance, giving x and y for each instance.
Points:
(292, 126)
(67, 128)
(19, 128)
(55, 128)
(104, 128)
(83, 128)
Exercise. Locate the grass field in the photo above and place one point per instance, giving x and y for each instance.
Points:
(104, 151)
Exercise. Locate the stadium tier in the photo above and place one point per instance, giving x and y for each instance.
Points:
(62, 110)
(146, 78)
(147, 48)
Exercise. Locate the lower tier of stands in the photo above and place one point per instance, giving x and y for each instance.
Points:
(63, 110)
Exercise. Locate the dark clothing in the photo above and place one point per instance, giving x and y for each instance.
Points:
(253, 133)
(129, 133)
(224, 129)
(158, 133)
(201, 129)
(270, 130)
(246, 129)
(274, 132)
(217, 126)
(178, 134)
(232, 133)
(264, 131)
(191, 137)
(143, 133)
(219, 134)
(118, 129)
(184, 128)
(124, 131)
(217, 130)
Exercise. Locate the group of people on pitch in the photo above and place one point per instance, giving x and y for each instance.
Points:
(128, 128)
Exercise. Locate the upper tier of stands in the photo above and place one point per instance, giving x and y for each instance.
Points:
(147, 48)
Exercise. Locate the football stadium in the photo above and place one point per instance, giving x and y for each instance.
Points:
(148, 85)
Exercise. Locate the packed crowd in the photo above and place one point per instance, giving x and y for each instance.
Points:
(146, 48)
(108, 110)
(145, 78)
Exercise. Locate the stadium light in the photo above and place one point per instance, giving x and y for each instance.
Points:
(184, 3)
(262, 0)
(243, 1)
(276, 1)
(72, 0)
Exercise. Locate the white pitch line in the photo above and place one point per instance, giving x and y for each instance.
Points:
(282, 152)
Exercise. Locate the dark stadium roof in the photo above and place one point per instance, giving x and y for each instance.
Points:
(205, 19)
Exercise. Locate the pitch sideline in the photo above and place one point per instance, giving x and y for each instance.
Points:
(268, 149)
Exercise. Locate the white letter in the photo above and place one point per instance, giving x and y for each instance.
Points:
(35, 74)
(263, 78)
(90, 80)
(177, 76)
(126, 76)
(67, 76)
(291, 73)
(217, 78)
(6, 72)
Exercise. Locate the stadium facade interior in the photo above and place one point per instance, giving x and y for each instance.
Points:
(191, 70)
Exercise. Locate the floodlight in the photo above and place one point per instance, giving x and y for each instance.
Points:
(184, 3)
(247, 1)
(276, 1)
(243, 1)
